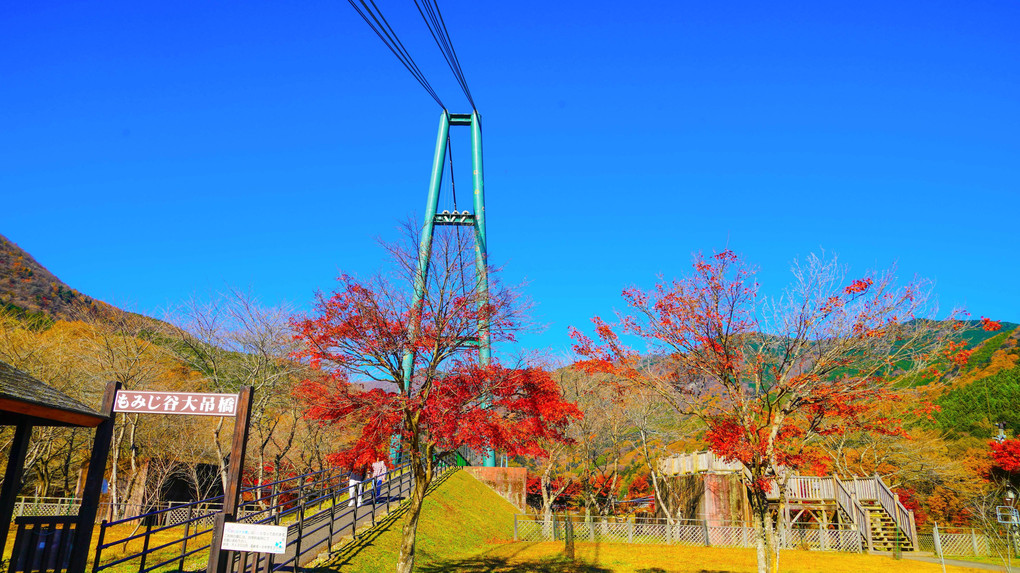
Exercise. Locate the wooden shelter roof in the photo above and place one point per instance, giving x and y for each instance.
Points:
(25, 399)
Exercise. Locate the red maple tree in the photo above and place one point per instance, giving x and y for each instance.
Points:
(768, 376)
(1006, 455)
(369, 335)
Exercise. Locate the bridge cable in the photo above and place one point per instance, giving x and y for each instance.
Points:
(437, 26)
(382, 28)
(456, 229)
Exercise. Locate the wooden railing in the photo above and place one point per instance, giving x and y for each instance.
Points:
(697, 462)
(849, 503)
(865, 488)
(848, 495)
(890, 502)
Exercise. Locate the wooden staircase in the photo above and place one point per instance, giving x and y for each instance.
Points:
(884, 532)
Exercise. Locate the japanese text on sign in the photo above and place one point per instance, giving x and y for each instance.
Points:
(175, 403)
(254, 538)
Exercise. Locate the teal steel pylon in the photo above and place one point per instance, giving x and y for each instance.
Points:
(464, 218)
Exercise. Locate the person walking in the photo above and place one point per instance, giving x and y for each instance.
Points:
(354, 487)
(379, 473)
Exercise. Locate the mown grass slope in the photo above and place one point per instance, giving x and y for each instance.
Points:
(461, 517)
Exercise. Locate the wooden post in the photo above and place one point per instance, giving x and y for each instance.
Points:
(913, 529)
(218, 559)
(12, 478)
(515, 527)
(93, 483)
(823, 529)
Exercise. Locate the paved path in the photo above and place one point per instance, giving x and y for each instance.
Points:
(957, 563)
(316, 537)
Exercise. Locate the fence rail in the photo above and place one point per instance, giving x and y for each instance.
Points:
(970, 542)
(318, 509)
(682, 532)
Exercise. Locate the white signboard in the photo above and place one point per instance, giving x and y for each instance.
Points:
(197, 403)
(254, 538)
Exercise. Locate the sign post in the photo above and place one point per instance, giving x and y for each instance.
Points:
(93, 482)
(190, 403)
(254, 538)
(186, 403)
(232, 493)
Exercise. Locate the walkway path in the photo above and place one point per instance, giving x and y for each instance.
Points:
(958, 563)
(316, 534)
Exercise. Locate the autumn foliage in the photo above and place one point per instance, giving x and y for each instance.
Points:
(511, 410)
(767, 376)
(413, 368)
(1006, 455)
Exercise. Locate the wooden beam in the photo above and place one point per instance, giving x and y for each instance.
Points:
(93, 483)
(218, 558)
(48, 413)
(12, 478)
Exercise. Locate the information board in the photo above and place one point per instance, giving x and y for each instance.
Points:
(194, 403)
(254, 538)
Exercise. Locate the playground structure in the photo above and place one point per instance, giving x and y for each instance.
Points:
(702, 486)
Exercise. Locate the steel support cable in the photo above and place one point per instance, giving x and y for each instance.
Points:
(407, 59)
(441, 35)
(389, 37)
(437, 27)
(453, 54)
(456, 230)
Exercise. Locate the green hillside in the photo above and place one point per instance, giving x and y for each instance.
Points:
(461, 515)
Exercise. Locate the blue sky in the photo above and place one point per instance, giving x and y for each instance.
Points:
(150, 152)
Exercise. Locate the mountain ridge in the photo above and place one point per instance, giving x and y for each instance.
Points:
(30, 290)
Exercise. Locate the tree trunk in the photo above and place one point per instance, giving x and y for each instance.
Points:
(766, 543)
(409, 532)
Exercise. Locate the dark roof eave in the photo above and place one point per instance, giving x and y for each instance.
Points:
(46, 415)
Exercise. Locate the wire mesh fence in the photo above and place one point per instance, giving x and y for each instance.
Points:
(1001, 542)
(614, 529)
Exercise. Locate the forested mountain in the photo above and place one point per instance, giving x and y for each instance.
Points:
(77, 344)
(29, 289)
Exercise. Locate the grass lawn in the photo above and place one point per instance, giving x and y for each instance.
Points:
(461, 517)
(466, 527)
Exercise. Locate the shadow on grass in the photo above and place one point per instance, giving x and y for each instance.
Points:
(491, 564)
(502, 564)
(660, 570)
(342, 557)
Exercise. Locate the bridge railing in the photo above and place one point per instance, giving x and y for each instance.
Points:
(164, 540)
(318, 508)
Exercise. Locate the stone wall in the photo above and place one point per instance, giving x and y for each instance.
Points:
(511, 483)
